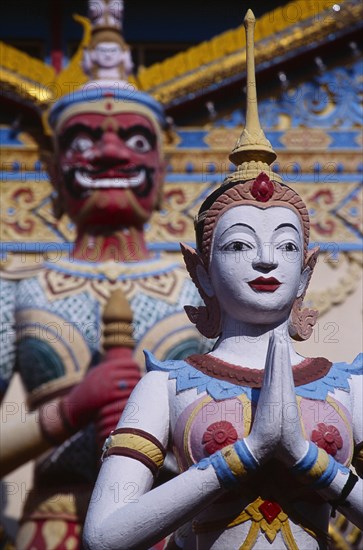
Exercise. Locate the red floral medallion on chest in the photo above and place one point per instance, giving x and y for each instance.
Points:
(327, 438)
(218, 435)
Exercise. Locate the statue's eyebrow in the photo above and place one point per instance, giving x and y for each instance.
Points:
(286, 225)
(237, 225)
(69, 133)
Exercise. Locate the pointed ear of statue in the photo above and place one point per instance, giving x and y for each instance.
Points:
(206, 318)
(302, 321)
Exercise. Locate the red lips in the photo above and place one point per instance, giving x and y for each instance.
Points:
(262, 284)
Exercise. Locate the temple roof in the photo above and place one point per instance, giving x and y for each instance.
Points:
(284, 33)
(278, 37)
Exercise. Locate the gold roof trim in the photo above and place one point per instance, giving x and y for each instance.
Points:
(30, 77)
(25, 66)
(34, 80)
(213, 61)
(187, 72)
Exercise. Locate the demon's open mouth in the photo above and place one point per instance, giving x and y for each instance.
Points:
(81, 181)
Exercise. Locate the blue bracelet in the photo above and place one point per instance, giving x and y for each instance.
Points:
(328, 475)
(227, 479)
(318, 467)
(231, 464)
(307, 462)
(245, 455)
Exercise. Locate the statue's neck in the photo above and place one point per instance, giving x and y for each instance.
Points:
(122, 245)
(246, 345)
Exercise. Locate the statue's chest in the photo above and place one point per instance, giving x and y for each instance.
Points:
(59, 323)
(58, 337)
(206, 425)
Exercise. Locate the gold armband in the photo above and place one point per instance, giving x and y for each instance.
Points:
(234, 462)
(136, 444)
(318, 468)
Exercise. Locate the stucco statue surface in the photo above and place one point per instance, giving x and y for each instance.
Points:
(107, 60)
(77, 327)
(268, 442)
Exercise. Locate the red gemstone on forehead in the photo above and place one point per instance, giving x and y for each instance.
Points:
(262, 188)
(108, 106)
(270, 510)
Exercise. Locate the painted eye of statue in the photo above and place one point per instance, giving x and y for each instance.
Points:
(81, 144)
(288, 246)
(236, 246)
(139, 143)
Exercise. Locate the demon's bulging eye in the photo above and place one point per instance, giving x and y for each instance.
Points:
(139, 143)
(81, 144)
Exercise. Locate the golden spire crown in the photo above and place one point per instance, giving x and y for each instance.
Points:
(253, 153)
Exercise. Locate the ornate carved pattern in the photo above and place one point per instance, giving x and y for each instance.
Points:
(350, 209)
(17, 217)
(336, 293)
(61, 284)
(322, 165)
(27, 213)
(175, 222)
(264, 516)
(331, 100)
(219, 59)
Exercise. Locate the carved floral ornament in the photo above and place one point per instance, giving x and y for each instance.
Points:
(327, 437)
(218, 435)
